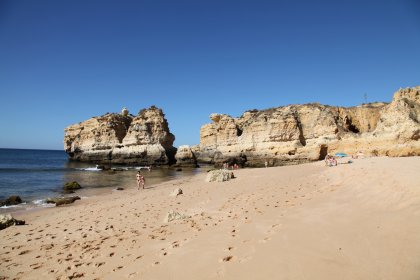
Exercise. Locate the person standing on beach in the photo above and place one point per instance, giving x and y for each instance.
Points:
(266, 164)
(140, 180)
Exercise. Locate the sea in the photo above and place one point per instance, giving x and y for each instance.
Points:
(35, 175)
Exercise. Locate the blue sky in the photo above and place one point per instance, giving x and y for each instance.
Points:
(62, 62)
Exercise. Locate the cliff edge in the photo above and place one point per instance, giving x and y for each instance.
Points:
(299, 133)
(144, 139)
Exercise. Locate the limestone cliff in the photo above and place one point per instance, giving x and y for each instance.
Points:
(298, 133)
(185, 157)
(122, 138)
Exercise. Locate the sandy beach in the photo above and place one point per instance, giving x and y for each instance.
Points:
(352, 221)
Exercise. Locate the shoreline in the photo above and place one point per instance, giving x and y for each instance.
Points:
(88, 192)
(293, 222)
(101, 194)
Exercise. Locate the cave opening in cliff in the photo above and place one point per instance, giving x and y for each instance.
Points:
(238, 131)
(323, 151)
(350, 126)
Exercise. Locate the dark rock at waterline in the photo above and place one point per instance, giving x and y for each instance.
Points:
(120, 189)
(62, 200)
(13, 200)
(118, 169)
(103, 167)
(178, 169)
(70, 186)
(7, 221)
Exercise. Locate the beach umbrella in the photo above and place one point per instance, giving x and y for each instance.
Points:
(341, 155)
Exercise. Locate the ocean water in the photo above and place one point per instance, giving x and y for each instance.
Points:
(37, 174)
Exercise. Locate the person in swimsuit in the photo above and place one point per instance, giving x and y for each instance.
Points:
(140, 180)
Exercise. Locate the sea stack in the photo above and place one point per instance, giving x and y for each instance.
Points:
(301, 133)
(144, 139)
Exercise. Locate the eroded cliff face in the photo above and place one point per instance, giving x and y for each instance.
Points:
(122, 138)
(298, 133)
(185, 157)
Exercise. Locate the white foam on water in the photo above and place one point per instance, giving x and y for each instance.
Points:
(89, 169)
(116, 168)
(142, 167)
(13, 206)
(42, 203)
(9, 206)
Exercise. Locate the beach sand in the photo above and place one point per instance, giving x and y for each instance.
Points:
(352, 221)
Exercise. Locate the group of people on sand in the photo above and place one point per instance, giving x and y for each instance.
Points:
(141, 181)
(330, 160)
(227, 166)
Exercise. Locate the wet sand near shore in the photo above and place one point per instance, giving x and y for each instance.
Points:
(97, 183)
(352, 221)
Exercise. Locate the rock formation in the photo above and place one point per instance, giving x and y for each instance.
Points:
(144, 139)
(173, 216)
(299, 133)
(185, 157)
(221, 175)
(12, 200)
(289, 134)
(71, 186)
(176, 192)
(124, 112)
(62, 200)
(7, 220)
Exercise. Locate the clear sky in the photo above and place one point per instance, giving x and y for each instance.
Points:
(62, 62)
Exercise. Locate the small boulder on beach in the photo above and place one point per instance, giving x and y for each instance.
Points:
(176, 192)
(221, 175)
(173, 215)
(7, 221)
(62, 200)
(71, 186)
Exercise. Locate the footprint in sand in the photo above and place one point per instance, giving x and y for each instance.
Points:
(99, 264)
(265, 240)
(230, 248)
(132, 275)
(24, 252)
(273, 228)
(118, 268)
(175, 244)
(76, 275)
(228, 259)
(35, 266)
